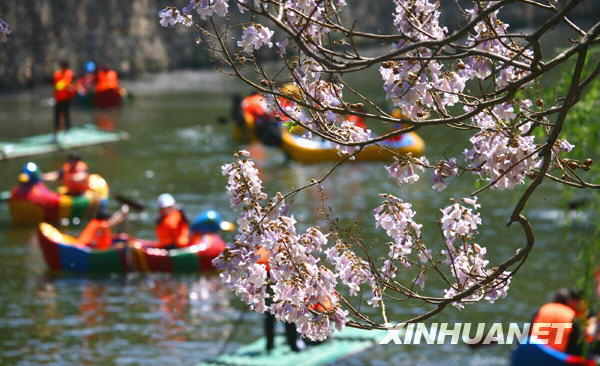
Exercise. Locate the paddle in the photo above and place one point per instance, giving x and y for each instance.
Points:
(131, 202)
(4, 196)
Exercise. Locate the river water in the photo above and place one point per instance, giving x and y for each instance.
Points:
(176, 145)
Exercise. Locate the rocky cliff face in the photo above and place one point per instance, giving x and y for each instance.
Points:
(125, 35)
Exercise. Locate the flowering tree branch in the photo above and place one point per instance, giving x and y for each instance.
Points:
(479, 77)
(4, 29)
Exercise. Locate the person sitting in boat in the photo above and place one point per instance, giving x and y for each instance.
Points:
(172, 228)
(567, 308)
(357, 121)
(106, 79)
(260, 121)
(30, 174)
(98, 234)
(74, 174)
(85, 83)
(209, 221)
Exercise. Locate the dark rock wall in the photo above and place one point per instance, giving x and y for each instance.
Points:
(125, 35)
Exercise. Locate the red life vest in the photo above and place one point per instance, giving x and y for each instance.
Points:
(253, 107)
(357, 121)
(75, 187)
(556, 314)
(173, 228)
(107, 80)
(263, 257)
(96, 234)
(63, 89)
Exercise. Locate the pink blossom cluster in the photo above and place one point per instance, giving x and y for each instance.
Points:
(465, 258)
(413, 86)
(396, 217)
(299, 283)
(297, 12)
(444, 169)
(490, 41)
(350, 133)
(254, 37)
(503, 158)
(352, 270)
(4, 30)
(171, 16)
(207, 8)
(405, 170)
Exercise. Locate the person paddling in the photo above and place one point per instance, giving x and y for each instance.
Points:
(74, 174)
(172, 228)
(98, 234)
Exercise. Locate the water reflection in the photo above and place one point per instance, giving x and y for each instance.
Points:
(113, 316)
(107, 118)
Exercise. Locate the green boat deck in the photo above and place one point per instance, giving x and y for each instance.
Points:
(43, 144)
(341, 345)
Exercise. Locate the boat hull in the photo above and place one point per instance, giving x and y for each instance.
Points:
(34, 203)
(532, 353)
(63, 253)
(308, 151)
(107, 98)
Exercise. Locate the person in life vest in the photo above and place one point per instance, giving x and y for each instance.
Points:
(261, 122)
(292, 337)
(209, 221)
(558, 324)
(106, 79)
(64, 91)
(172, 227)
(98, 234)
(30, 174)
(74, 174)
(85, 83)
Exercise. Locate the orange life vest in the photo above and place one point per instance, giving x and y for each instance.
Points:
(96, 234)
(556, 314)
(63, 89)
(263, 257)
(107, 80)
(173, 228)
(75, 187)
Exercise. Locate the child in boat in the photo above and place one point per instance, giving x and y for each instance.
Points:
(74, 174)
(98, 234)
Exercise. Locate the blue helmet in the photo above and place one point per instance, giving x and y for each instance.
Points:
(30, 173)
(210, 221)
(90, 66)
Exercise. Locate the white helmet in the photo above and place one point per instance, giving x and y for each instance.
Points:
(165, 200)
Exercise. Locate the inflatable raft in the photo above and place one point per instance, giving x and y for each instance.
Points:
(63, 252)
(533, 353)
(311, 151)
(34, 203)
(108, 98)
